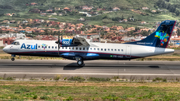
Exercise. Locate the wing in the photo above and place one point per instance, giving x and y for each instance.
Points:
(80, 41)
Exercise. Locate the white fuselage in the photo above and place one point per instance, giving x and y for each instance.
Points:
(113, 50)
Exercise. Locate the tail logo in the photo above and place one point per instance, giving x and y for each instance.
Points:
(162, 36)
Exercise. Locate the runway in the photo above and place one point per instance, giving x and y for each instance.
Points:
(96, 68)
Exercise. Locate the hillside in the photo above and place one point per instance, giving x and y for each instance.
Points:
(22, 8)
(123, 4)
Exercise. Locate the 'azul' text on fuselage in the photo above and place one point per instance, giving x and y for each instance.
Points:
(24, 46)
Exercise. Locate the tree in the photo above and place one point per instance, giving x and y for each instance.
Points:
(177, 12)
(178, 32)
(136, 29)
(122, 17)
(46, 31)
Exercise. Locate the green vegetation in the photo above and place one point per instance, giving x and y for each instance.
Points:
(159, 80)
(9, 78)
(31, 58)
(76, 78)
(57, 77)
(88, 91)
(98, 79)
(22, 8)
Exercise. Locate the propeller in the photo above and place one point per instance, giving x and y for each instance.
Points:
(58, 42)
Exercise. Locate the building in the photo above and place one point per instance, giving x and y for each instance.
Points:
(49, 38)
(87, 8)
(66, 9)
(8, 41)
(153, 11)
(116, 9)
(57, 8)
(145, 8)
(1, 43)
(14, 35)
(33, 3)
(90, 36)
(143, 22)
(81, 19)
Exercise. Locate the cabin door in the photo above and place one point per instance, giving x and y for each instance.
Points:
(128, 52)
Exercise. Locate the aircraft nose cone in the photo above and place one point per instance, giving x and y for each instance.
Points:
(5, 49)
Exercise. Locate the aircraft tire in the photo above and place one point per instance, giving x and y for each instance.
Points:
(80, 63)
(12, 59)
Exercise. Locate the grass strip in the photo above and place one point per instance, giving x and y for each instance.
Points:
(11, 90)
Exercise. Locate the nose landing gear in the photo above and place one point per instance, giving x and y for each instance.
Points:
(12, 57)
(80, 61)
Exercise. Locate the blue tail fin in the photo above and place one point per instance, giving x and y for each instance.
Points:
(159, 38)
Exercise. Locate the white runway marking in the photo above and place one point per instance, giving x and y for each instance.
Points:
(125, 74)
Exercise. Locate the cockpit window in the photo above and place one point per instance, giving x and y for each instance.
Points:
(15, 43)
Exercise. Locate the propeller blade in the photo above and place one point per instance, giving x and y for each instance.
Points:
(61, 37)
(73, 32)
(58, 44)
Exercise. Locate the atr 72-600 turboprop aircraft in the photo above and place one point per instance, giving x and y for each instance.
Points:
(81, 49)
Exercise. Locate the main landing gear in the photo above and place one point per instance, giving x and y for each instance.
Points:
(80, 61)
(12, 57)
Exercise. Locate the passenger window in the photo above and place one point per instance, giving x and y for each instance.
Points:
(42, 47)
(80, 48)
(87, 48)
(56, 47)
(83, 48)
(122, 50)
(108, 49)
(52, 47)
(98, 49)
(114, 49)
(111, 49)
(38, 46)
(66, 47)
(62, 47)
(118, 49)
(90, 48)
(72, 48)
(49, 46)
(94, 48)
(104, 49)
(45, 46)
(101, 49)
(76, 48)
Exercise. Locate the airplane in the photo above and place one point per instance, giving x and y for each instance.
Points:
(80, 49)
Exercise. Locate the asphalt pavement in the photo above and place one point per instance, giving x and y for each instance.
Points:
(96, 68)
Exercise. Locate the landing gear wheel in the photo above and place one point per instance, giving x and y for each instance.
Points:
(80, 63)
(12, 59)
